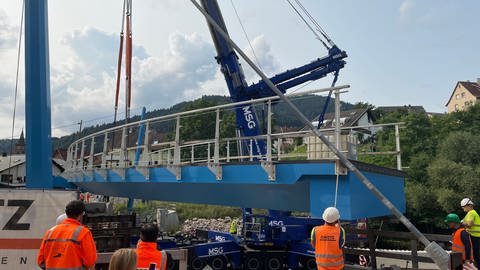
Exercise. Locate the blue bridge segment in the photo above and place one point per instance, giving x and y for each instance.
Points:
(306, 186)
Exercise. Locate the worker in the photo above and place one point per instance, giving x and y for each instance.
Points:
(68, 245)
(149, 257)
(61, 218)
(460, 238)
(328, 240)
(233, 227)
(471, 221)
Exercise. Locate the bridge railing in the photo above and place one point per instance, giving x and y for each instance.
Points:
(206, 135)
(116, 147)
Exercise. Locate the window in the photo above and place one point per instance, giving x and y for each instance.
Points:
(457, 96)
(456, 107)
(7, 178)
(467, 103)
(463, 94)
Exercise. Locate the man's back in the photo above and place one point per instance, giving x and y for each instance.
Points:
(67, 245)
(149, 257)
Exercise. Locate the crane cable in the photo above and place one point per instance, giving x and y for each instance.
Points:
(246, 35)
(128, 60)
(317, 25)
(119, 63)
(16, 86)
(308, 25)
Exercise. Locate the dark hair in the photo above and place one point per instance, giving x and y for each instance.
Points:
(149, 232)
(74, 209)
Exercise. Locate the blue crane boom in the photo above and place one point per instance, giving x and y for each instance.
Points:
(247, 121)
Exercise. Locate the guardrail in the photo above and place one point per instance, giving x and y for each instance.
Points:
(119, 144)
(132, 145)
(373, 252)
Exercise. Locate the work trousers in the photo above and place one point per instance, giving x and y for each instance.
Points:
(476, 249)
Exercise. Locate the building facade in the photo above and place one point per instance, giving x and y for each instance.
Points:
(464, 95)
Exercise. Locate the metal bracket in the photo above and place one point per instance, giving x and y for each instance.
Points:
(216, 169)
(340, 169)
(269, 168)
(120, 172)
(102, 172)
(145, 171)
(175, 170)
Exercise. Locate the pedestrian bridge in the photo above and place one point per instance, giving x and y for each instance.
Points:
(196, 157)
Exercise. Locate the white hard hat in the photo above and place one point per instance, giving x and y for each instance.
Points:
(331, 215)
(61, 218)
(466, 202)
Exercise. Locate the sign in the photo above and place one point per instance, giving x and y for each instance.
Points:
(25, 216)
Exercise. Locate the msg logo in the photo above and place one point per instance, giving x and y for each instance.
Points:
(12, 224)
(215, 251)
(220, 238)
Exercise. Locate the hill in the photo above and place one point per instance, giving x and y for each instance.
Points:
(310, 105)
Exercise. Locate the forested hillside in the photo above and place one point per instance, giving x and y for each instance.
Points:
(441, 154)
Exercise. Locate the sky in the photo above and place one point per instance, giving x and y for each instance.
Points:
(400, 52)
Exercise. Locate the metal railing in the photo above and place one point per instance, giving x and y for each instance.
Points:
(171, 146)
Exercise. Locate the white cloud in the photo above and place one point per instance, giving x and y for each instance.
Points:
(405, 7)
(8, 32)
(83, 84)
(262, 56)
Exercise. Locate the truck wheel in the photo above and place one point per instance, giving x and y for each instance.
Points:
(273, 263)
(218, 263)
(197, 264)
(253, 263)
(310, 264)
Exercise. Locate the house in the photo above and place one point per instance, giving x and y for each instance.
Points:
(464, 94)
(348, 119)
(13, 170)
(405, 108)
(355, 121)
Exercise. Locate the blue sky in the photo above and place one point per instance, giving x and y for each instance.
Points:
(400, 51)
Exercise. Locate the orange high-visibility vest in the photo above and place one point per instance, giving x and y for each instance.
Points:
(328, 253)
(67, 246)
(149, 257)
(458, 246)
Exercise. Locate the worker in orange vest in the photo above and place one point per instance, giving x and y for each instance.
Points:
(68, 245)
(328, 240)
(460, 238)
(149, 257)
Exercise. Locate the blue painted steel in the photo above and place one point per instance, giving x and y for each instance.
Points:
(141, 135)
(315, 70)
(37, 96)
(303, 186)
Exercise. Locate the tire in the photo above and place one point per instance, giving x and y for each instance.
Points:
(253, 262)
(218, 263)
(172, 265)
(197, 264)
(273, 263)
(310, 263)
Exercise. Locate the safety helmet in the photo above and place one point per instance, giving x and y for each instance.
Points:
(331, 215)
(465, 202)
(452, 218)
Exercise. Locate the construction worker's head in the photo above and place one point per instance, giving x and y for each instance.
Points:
(331, 215)
(75, 209)
(453, 220)
(149, 232)
(466, 204)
